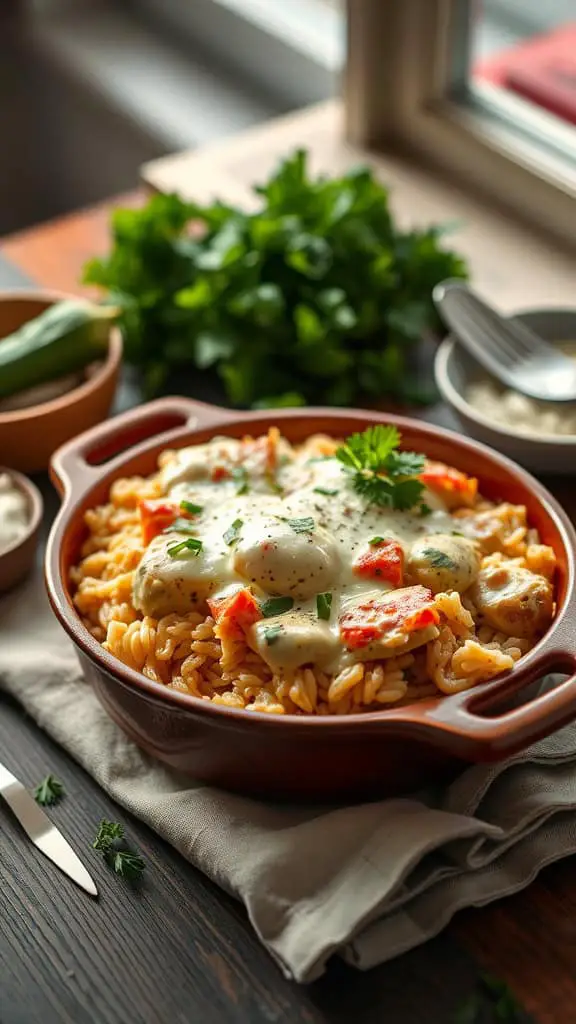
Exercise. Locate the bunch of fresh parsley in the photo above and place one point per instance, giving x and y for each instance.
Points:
(316, 297)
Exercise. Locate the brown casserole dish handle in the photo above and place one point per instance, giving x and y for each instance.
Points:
(95, 453)
(473, 716)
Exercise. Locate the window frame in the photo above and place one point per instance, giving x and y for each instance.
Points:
(291, 49)
(399, 79)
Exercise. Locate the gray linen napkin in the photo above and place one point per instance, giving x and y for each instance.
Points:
(367, 882)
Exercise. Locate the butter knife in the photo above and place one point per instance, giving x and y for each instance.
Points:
(42, 831)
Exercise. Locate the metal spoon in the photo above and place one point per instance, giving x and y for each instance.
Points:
(508, 349)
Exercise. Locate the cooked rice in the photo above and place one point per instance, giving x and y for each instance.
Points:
(185, 652)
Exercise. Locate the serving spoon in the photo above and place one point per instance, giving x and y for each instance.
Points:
(506, 348)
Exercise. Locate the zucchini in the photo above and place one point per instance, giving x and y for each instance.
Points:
(62, 340)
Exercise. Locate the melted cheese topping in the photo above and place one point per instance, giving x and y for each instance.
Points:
(276, 551)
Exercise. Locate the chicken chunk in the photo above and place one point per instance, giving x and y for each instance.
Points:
(443, 563)
(513, 600)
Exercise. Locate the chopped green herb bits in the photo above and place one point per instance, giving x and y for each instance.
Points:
(192, 545)
(323, 606)
(328, 491)
(241, 479)
(233, 532)
(375, 541)
(272, 634)
(191, 508)
(304, 525)
(438, 559)
(181, 525)
(276, 606)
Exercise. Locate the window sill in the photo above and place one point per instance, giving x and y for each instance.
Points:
(499, 248)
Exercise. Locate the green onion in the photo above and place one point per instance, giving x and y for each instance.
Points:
(323, 606)
(191, 508)
(192, 544)
(374, 541)
(328, 491)
(233, 532)
(276, 606)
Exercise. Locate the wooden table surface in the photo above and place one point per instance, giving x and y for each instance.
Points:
(182, 951)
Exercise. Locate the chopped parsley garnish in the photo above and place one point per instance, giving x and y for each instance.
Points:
(241, 479)
(191, 508)
(425, 509)
(192, 544)
(323, 605)
(233, 532)
(304, 525)
(271, 634)
(276, 606)
(374, 541)
(328, 491)
(117, 854)
(181, 525)
(107, 832)
(49, 791)
(438, 559)
(380, 473)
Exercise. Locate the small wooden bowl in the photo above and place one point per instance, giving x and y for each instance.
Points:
(17, 560)
(30, 436)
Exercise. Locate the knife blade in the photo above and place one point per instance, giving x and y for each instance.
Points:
(43, 833)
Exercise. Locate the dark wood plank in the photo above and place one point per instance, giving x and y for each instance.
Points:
(177, 948)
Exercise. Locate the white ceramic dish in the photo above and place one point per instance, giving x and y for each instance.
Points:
(455, 369)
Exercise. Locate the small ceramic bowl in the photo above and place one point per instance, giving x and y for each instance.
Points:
(455, 370)
(29, 436)
(17, 560)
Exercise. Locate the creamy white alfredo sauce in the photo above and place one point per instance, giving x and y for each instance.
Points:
(262, 538)
(13, 512)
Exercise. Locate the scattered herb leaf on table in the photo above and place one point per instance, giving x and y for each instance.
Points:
(317, 297)
(49, 791)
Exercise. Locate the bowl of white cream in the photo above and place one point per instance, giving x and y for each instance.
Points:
(539, 435)
(20, 519)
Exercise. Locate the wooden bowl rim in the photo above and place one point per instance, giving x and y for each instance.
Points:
(107, 368)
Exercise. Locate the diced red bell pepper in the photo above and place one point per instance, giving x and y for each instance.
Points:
(407, 610)
(454, 487)
(220, 473)
(383, 560)
(156, 516)
(235, 613)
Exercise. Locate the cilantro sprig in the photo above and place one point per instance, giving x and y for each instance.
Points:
(381, 473)
(49, 791)
(111, 842)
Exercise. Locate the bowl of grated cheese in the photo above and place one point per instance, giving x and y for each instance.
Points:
(539, 435)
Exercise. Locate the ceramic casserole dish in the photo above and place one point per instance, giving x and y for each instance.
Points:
(357, 756)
